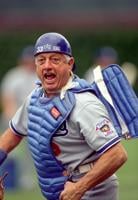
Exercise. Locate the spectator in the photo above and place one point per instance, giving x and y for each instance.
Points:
(131, 72)
(17, 83)
(104, 56)
(15, 86)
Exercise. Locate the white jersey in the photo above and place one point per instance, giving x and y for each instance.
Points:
(83, 137)
(89, 76)
(22, 82)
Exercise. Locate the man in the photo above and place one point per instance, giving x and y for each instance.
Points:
(75, 147)
(103, 57)
(22, 82)
(15, 87)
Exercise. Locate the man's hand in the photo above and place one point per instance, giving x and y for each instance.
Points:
(1, 191)
(71, 192)
(1, 186)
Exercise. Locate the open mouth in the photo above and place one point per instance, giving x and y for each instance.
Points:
(49, 76)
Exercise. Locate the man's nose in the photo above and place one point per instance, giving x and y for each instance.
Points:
(47, 64)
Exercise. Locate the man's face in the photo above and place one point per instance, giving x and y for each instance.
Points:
(53, 69)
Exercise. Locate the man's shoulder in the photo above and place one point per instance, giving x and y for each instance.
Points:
(87, 97)
(87, 102)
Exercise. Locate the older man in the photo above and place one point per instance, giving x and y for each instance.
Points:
(74, 145)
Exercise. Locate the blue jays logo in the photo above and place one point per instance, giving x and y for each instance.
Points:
(62, 131)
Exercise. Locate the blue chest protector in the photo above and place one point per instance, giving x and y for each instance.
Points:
(45, 117)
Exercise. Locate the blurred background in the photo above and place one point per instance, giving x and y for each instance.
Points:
(100, 32)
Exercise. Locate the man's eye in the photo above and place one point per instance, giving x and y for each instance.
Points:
(40, 61)
(55, 60)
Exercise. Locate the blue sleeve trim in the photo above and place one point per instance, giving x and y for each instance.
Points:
(3, 156)
(13, 128)
(108, 145)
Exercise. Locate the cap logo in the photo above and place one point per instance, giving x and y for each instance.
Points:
(47, 47)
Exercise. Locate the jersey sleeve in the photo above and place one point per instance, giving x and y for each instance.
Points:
(96, 127)
(19, 121)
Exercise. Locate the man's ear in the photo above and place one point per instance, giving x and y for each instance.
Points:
(71, 62)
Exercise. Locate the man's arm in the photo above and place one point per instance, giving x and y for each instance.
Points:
(9, 140)
(103, 168)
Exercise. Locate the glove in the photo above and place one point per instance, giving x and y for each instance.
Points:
(1, 186)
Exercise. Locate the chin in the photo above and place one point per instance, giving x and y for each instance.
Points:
(50, 89)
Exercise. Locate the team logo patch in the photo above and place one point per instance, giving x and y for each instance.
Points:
(104, 127)
(55, 112)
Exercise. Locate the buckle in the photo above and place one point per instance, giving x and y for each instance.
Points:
(83, 168)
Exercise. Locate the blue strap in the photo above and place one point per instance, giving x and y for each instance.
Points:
(3, 156)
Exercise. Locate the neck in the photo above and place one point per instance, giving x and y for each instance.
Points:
(51, 94)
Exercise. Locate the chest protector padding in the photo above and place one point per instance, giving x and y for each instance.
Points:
(45, 117)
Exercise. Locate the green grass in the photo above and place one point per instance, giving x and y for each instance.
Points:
(24, 195)
(128, 178)
(128, 174)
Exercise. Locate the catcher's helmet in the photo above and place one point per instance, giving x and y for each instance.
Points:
(52, 42)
